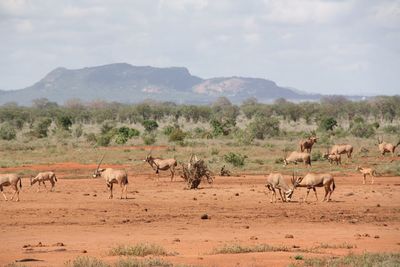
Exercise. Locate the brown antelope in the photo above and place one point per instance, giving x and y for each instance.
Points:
(307, 144)
(12, 180)
(365, 172)
(386, 147)
(276, 181)
(298, 157)
(312, 180)
(42, 177)
(342, 149)
(112, 177)
(333, 158)
(159, 164)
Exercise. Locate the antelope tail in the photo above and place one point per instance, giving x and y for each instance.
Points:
(20, 183)
(333, 186)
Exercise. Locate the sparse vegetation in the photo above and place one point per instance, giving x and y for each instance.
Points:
(237, 248)
(366, 259)
(140, 250)
(85, 261)
(236, 159)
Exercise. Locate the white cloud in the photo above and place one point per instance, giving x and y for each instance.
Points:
(305, 11)
(387, 14)
(24, 26)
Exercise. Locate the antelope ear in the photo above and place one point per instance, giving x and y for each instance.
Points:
(102, 170)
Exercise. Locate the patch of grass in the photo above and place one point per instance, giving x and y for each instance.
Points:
(365, 260)
(141, 250)
(132, 262)
(336, 246)
(299, 257)
(389, 169)
(86, 261)
(237, 249)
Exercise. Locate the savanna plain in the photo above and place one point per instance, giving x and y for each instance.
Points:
(230, 222)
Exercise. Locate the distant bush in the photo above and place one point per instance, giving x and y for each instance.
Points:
(221, 127)
(244, 137)
(167, 130)
(7, 132)
(177, 135)
(327, 124)
(41, 129)
(391, 129)
(149, 139)
(235, 159)
(316, 156)
(362, 130)
(150, 125)
(91, 138)
(64, 122)
(262, 127)
(103, 140)
(78, 131)
(124, 134)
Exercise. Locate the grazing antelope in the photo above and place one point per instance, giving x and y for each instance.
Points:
(365, 172)
(342, 149)
(162, 165)
(298, 157)
(112, 177)
(386, 147)
(12, 180)
(307, 144)
(276, 181)
(312, 180)
(42, 177)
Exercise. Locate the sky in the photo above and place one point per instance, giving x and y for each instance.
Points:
(319, 46)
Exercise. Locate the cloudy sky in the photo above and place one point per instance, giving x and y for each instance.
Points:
(324, 46)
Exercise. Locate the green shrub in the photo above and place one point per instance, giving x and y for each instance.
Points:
(91, 138)
(7, 132)
(221, 127)
(150, 262)
(235, 159)
(124, 134)
(327, 124)
(362, 130)
(177, 135)
(64, 122)
(149, 139)
(244, 137)
(103, 140)
(167, 130)
(214, 151)
(262, 127)
(41, 128)
(150, 125)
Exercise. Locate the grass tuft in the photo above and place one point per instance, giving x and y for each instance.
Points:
(140, 250)
(86, 261)
(365, 260)
(132, 262)
(236, 249)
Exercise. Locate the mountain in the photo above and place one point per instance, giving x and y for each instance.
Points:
(125, 83)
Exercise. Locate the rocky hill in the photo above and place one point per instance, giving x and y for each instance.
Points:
(125, 83)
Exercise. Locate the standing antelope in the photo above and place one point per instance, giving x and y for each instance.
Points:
(307, 144)
(333, 157)
(312, 180)
(298, 157)
(386, 147)
(112, 177)
(42, 177)
(276, 181)
(342, 149)
(12, 180)
(365, 172)
(162, 165)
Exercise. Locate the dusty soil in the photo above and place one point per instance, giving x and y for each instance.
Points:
(80, 215)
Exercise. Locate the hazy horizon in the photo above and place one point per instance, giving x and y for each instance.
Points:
(316, 46)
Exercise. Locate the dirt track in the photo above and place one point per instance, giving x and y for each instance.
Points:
(80, 216)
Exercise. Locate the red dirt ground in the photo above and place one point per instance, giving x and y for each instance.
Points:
(79, 215)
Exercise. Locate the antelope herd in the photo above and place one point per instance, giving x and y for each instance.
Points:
(274, 182)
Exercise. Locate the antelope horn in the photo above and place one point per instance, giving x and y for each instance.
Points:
(98, 166)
